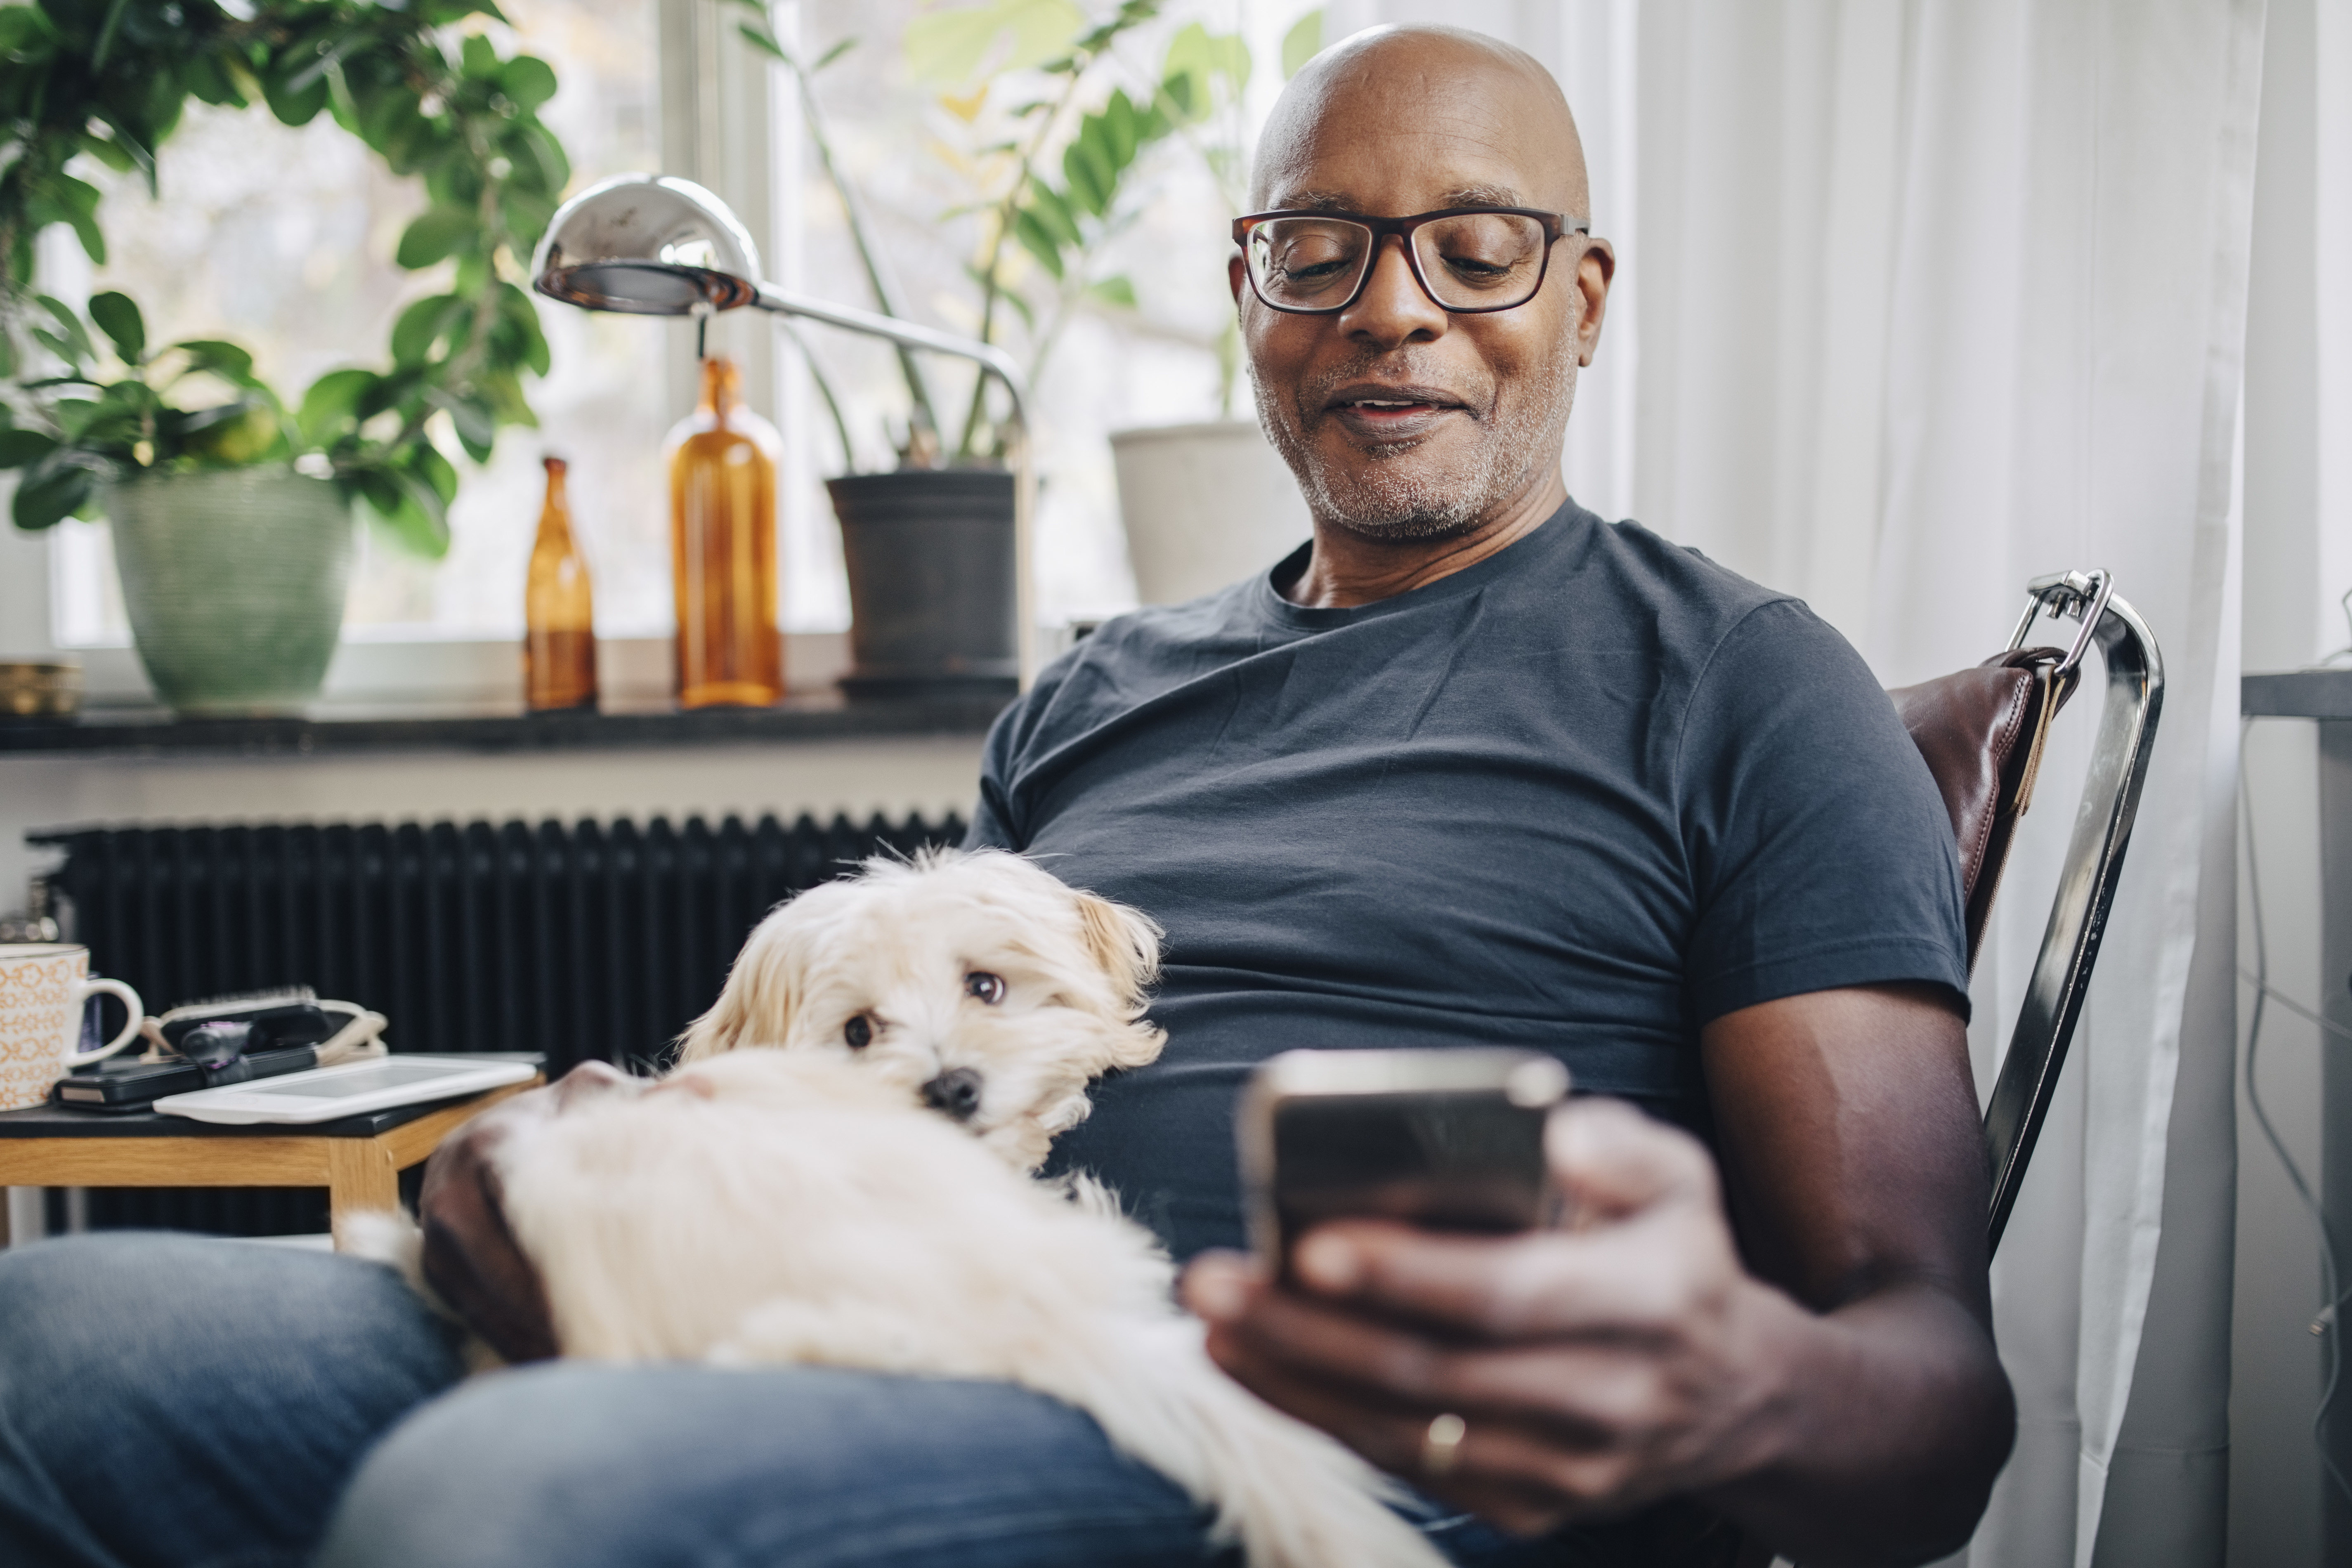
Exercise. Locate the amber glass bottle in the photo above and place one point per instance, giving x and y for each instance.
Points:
(559, 645)
(722, 519)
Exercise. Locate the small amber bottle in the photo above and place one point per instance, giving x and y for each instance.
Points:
(723, 496)
(559, 647)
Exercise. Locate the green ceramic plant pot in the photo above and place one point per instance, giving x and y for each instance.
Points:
(234, 580)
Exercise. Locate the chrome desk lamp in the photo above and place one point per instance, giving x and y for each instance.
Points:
(648, 244)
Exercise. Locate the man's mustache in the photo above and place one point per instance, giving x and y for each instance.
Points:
(1411, 375)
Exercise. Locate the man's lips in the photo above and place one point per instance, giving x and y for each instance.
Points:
(1388, 412)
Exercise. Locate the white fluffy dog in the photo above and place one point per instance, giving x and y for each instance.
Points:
(977, 982)
(860, 1196)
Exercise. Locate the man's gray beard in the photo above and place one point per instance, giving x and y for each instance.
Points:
(1389, 499)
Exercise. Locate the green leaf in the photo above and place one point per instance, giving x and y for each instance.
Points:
(528, 81)
(1200, 59)
(437, 472)
(476, 429)
(1054, 213)
(295, 106)
(332, 403)
(75, 348)
(1116, 292)
(1089, 176)
(226, 361)
(1302, 42)
(106, 152)
(947, 48)
(422, 324)
(1037, 241)
(119, 319)
(432, 236)
(540, 145)
(47, 496)
(478, 58)
(18, 448)
(104, 49)
(406, 507)
(833, 53)
(24, 29)
(762, 40)
(1119, 122)
(74, 415)
(517, 307)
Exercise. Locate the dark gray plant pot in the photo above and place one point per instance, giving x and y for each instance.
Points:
(234, 581)
(931, 599)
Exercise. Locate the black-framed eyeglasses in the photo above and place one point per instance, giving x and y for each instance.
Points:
(1469, 260)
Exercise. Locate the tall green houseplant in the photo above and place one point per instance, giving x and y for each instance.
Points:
(183, 446)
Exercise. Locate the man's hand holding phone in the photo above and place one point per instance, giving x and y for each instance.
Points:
(1581, 1369)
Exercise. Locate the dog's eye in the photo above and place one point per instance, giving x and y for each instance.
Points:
(989, 988)
(858, 1032)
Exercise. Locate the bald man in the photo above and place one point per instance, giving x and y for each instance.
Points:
(1473, 767)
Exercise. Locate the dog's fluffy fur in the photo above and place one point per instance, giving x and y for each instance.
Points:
(895, 947)
(807, 1205)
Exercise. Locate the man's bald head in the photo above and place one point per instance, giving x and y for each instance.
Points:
(1443, 83)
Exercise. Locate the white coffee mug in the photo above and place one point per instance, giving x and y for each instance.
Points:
(42, 985)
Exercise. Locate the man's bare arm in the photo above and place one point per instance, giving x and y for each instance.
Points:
(1838, 1394)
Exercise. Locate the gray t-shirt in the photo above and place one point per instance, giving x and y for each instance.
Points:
(1583, 797)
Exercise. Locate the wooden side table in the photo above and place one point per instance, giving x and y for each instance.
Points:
(358, 1159)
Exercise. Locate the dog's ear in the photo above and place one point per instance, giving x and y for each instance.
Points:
(754, 1007)
(1125, 941)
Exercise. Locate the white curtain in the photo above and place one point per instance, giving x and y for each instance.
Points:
(1931, 298)
(1938, 297)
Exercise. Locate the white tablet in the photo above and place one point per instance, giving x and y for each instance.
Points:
(353, 1088)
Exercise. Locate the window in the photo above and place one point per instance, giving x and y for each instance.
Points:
(281, 238)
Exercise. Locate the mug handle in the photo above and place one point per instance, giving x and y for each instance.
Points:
(86, 989)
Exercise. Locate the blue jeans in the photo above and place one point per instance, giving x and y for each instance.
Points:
(167, 1399)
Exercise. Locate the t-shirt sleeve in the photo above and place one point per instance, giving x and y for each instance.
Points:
(1820, 849)
(1012, 740)
(991, 819)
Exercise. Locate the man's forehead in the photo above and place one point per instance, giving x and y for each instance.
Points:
(1417, 119)
(1336, 200)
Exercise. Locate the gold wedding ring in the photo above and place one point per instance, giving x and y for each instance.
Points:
(1440, 1446)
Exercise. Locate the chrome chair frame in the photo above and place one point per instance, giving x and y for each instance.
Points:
(2086, 885)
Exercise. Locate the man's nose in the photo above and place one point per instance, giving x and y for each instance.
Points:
(1393, 308)
(954, 1093)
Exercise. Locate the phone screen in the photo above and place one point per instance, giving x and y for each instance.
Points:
(1462, 1161)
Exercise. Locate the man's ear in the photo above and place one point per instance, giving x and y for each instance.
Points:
(1125, 943)
(1235, 278)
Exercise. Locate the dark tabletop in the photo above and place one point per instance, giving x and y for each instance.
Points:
(72, 1121)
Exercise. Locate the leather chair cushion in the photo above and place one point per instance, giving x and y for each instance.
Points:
(1976, 729)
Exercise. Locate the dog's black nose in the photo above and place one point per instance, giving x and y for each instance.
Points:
(956, 1093)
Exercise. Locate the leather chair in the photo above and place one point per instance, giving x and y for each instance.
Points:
(1982, 732)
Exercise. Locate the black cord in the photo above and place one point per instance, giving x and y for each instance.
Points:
(2328, 1324)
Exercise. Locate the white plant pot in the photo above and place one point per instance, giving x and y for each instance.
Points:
(1205, 506)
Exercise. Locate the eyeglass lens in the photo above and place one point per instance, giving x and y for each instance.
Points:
(1476, 261)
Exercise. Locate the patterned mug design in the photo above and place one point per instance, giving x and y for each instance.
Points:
(42, 988)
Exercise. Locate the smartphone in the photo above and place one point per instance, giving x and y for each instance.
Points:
(1451, 1139)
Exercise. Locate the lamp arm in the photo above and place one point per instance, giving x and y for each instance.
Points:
(993, 361)
(910, 334)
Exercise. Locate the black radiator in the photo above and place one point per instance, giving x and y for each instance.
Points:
(593, 940)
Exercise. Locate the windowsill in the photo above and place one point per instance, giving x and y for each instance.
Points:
(107, 731)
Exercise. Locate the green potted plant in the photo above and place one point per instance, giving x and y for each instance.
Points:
(928, 545)
(231, 508)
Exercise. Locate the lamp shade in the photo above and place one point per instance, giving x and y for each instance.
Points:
(648, 244)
